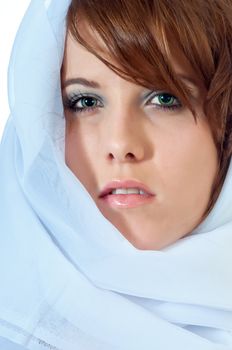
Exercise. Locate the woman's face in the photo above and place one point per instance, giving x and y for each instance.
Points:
(122, 132)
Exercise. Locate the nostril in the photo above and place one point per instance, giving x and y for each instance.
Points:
(130, 155)
(111, 156)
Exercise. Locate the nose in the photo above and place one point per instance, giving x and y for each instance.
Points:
(126, 139)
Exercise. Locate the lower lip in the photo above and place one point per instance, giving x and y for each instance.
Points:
(127, 200)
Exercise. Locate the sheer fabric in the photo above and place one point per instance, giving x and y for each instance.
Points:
(69, 279)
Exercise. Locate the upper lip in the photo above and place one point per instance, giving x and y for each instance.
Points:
(124, 184)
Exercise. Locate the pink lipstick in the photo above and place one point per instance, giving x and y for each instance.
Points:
(126, 194)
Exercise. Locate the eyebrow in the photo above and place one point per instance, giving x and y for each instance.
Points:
(81, 81)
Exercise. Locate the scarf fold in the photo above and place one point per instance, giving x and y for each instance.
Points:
(69, 279)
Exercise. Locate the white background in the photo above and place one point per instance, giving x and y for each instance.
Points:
(11, 13)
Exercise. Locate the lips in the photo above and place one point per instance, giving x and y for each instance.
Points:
(125, 184)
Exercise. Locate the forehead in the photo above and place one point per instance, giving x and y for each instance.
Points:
(77, 57)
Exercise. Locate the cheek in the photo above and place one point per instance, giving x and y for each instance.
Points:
(80, 149)
(189, 162)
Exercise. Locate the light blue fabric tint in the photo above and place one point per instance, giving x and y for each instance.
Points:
(69, 279)
(8, 345)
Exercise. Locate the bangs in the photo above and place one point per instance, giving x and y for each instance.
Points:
(138, 37)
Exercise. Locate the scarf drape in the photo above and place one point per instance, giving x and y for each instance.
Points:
(69, 279)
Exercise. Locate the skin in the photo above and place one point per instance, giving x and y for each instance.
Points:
(130, 137)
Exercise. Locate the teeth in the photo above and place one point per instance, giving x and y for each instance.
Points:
(142, 192)
(127, 191)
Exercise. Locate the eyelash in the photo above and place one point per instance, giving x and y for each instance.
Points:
(71, 101)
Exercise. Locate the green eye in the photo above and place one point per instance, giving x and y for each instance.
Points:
(166, 99)
(87, 102)
(81, 103)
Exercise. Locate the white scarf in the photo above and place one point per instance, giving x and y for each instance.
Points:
(68, 279)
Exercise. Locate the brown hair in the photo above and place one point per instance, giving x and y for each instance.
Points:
(138, 35)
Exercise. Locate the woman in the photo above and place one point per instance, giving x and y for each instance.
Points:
(115, 178)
